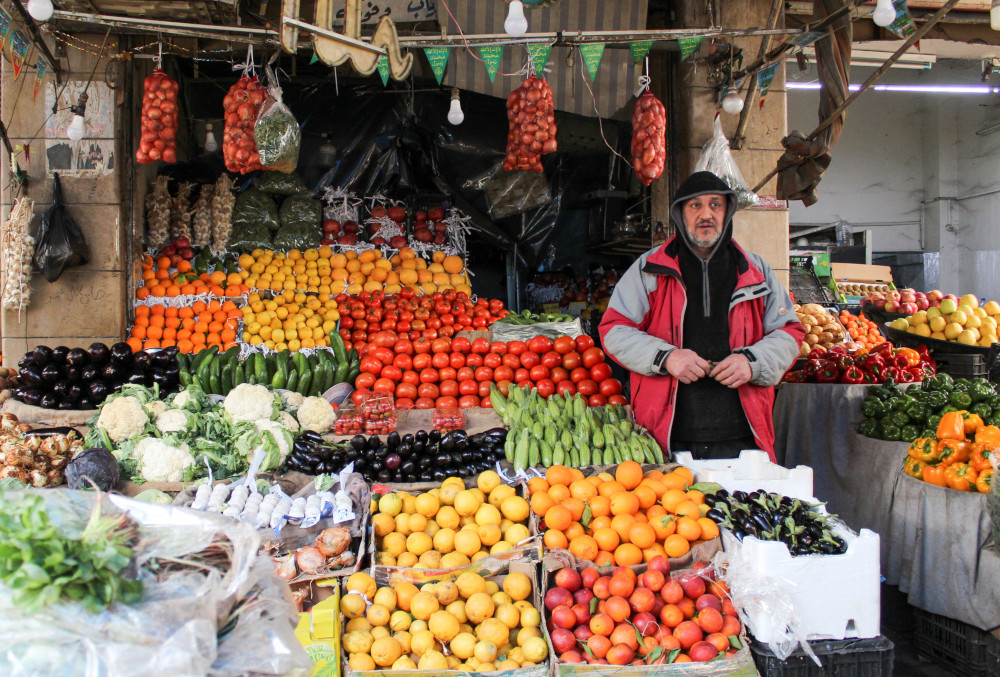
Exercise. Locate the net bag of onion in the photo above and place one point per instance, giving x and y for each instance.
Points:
(241, 106)
(649, 138)
(532, 132)
(158, 121)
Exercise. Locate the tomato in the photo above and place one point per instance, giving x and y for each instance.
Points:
(565, 387)
(511, 361)
(447, 332)
(484, 374)
(586, 387)
(461, 345)
(424, 403)
(540, 344)
(421, 361)
(447, 320)
(441, 345)
(546, 388)
(558, 374)
(360, 346)
(410, 376)
(468, 401)
(383, 339)
(572, 360)
(429, 390)
(484, 388)
(346, 322)
(563, 345)
(406, 390)
(578, 375)
(421, 346)
(434, 323)
(468, 387)
(403, 347)
(503, 373)
(617, 399)
(466, 374)
(492, 360)
(481, 346)
(384, 385)
(474, 360)
(551, 359)
(431, 334)
(480, 323)
(358, 336)
(456, 360)
(583, 343)
(448, 374)
(498, 347)
(359, 395)
(520, 376)
(403, 326)
(449, 388)
(516, 347)
(370, 365)
(361, 325)
(404, 403)
(600, 371)
(429, 376)
(504, 388)
(383, 355)
(394, 374)
(611, 386)
(446, 403)
(538, 372)
(403, 361)
(530, 359)
(592, 356)
(597, 401)
(440, 360)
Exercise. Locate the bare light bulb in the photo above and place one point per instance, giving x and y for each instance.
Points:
(732, 102)
(211, 145)
(40, 10)
(455, 114)
(76, 128)
(995, 15)
(516, 24)
(885, 13)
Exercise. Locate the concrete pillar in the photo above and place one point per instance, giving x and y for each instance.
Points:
(941, 184)
(88, 303)
(764, 232)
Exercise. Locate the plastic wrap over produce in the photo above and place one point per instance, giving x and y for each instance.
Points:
(212, 607)
(523, 332)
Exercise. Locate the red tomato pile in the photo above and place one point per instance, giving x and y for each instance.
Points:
(159, 119)
(426, 373)
(440, 315)
(241, 105)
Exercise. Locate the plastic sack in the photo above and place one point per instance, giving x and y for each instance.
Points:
(200, 614)
(512, 192)
(718, 159)
(300, 223)
(523, 332)
(255, 208)
(59, 244)
(279, 183)
(276, 132)
(247, 237)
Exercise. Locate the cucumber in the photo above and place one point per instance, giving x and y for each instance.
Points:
(293, 381)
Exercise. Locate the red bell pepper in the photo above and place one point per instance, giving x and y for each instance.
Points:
(837, 349)
(905, 377)
(817, 353)
(828, 373)
(852, 375)
(797, 377)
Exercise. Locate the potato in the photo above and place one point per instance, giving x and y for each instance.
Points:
(811, 339)
(825, 337)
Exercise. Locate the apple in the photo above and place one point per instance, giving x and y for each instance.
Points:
(583, 632)
(563, 640)
(589, 576)
(349, 239)
(703, 651)
(331, 226)
(708, 601)
(423, 235)
(168, 251)
(568, 579)
(440, 239)
(934, 295)
(908, 308)
(374, 227)
(420, 216)
(351, 227)
(378, 211)
(693, 585)
(435, 213)
(558, 597)
(397, 214)
(879, 303)
(379, 241)
(646, 623)
(397, 242)
(948, 305)
(440, 227)
(891, 307)
(907, 296)
(892, 296)
(923, 303)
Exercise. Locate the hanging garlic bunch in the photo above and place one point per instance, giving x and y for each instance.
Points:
(222, 213)
(201, 220)
(180, 222)
(158, 205)
(17, 247)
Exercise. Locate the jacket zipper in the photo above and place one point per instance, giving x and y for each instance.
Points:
(673, 407)
(742, 406)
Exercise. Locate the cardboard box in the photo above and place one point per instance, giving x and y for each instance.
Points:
(319, 631)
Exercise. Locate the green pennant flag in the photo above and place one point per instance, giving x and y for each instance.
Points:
(383, 69)
(437, 57)
(592, 53)
(313, 59)
(491, 56)
(688, 46)
(539, 55)
(903, 24)
(640, 48)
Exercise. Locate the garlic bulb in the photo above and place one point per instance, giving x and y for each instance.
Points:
(17, 249)
(180, 221)
(201, 221)
(158, 205)
(222, 213)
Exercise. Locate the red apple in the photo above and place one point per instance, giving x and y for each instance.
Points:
(186, 253)
(397, 214)
(420, 216)
(435, 213)
(351, 227)
(169, 250)
(583, 596)
(563, 640)
(659, 563)
(423, 235)
(379, 241)
(331, 226)
(348, 239)
(702, 652)
(397, 242)
(378, 211)
(907, 296)
(582, 612)
(440, 227)
(934, 295)
(583, 632)
(891, 307)
(563, 617)
(693, 585)
(908, 308)
(558, 597)
(708, 601)
(568, 579)
(923, 304)
(374, 227)
(440, 239)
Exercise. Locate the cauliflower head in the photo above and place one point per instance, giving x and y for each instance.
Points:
(275, 440)
(123, 418)
(292, 400)
(316, 414)
(161, 462)
(248, 402)
(172, 421)
(191, 398)
(155, 408)
(288, 421)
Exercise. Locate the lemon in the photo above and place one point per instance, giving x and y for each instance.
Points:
(377, 615)
(479, 607)
(352, 606)
(394, 543)
(399, 621)
(403, 524)
(386, 597)
(489, 534)
(444, 541)
(488, 481)
(446, 592)
(500, 494)
(418, 543)
(454, 560)
(360, 624)
(385, 651)
(500, 546)
(470, 583)
(463, 645)
(416, 522)
(448, 494)
(517, 585)
(508, 615)
(457, 609)
(524, 634)
(448, 518)
(516, 533)
(485, 652)
(500, 598)
(432, 660)
(360, 662)
(443, 625)
(515, 508)
(357, 642)
(492, 630)
(382, 524)
(467, 503)
(427, 505)
(423, 605)
(530, 618)
(403, 637)
(430, 559)
(407, 559)
(404, 663)
(467, 542)
(421, 642)
(488, 515)
(362, 583)
(535, 650)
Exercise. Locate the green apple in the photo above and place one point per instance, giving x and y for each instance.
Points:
(948, 306)
(900, 324)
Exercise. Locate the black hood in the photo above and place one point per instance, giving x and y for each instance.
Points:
(704, 183)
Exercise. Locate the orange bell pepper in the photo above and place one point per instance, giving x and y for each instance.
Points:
(953, 451)
(924, 449)
(984, 481)
(934, 474)
(952, 426)
(960, 476)
(914, 467)
(989, 435)
(971, 423)
(911, 355)
(979, 459)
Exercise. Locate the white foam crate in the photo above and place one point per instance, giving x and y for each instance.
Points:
(832, 596)
(753, 470)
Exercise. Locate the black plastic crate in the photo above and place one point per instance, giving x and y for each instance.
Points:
(959, 647)
(897, 613)
(840, 658)
(962, 366)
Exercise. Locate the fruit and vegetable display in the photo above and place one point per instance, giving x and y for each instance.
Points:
(864, 333)
(81, 378)
(649, 138)
(822, 327)
(957, 453)
(891, 413)
(863, 289)
(961, 321)
(471, 623)
(38, 458)
(883, 363)
(158, 122)
(186, 329)
(620, 517)
(532, 130)
(564, 431)
(657, 617)
(800, 525)
(450, 526)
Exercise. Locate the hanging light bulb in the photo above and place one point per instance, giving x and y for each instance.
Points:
(76, 128)
(732, 102)
(211, 145)
(455, 114)
(885, 13)
(40, 10)
(995, 15)
(516, 24)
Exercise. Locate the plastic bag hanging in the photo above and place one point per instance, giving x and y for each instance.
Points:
(276, 132)
(649, 134)
(718, 159)
(159, 118)
(241, 105)
(60, 243)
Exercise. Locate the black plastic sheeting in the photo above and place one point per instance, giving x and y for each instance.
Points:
(399, 143)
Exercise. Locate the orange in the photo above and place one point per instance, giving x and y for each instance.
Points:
(688, 509)
(654, 512)
(558, 517)
(604, 559)
(652, 551)
(151, 343)
(629, 474)
(655, 485)
(596, 480)
(685, 473)
(584, 547)
(158, 291)
(627, 554)
(141, 310)
(185, 346)
(555, 539)
(664, 526)
(675, 480)
(672, 498)
(709, 529)
(624, 503)
(607, 538)
(646, 496)
(142, 293)
(135, 344)
(173, 322)
(641, 535)
(558, 474)
(575, 507)
(582, 490)
(540, 503)
(695, 496)
(573, 530)
(676, 546)
(163, 262)
(185, 312)
(600, 506)
(559, 492)
(622, 524)
(575, 474)
(139, 332)
(154, 332)
(157, 321)
(688, 528)
(537, 484)
(600, 522)
(610, 488)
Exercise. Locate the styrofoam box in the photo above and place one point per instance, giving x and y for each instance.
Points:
(753, 470)
(833, 596)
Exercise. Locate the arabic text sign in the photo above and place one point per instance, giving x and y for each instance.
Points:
(372, 11)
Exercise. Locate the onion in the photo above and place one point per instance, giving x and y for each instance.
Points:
(310, 559)
(286, 568)
(332, 542)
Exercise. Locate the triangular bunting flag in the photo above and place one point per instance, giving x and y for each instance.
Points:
(491, 57)
(640, 48)
(592, 53)
(313, 59)
(764, 79)
(903, 25)
(689, 46)
(437, 57)
(41, 67)
(19, 46)
(383, 69)
(539, 52)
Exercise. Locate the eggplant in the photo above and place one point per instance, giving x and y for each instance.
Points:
(711, 500)
(110, 372)
(361, 466)
(30, 376)
(68, 403)
(382, 452)
(375, 465)
(60, 388)
(497, 434)
(76, 391)
(425, 476)
(407, 438)
(393, 461)
(49, 401)
(90, 373)
(421, 436)
(406, 467)
(405, 449)
(384, 476)
(373, 443)
(419, 448)
(43, 355)
(447, 443)
(77, 357)
(49, 432)
(311, 437)
(140, 360)
(359, 442)
(99, 353)
(160, 358)
(468, 456)
(715, 514)
(434, 435)
(59, 354)
(392, 440)
(456, 458)
(73, 374)
(439, 474)
(160, 376)
(87, 403)
(99, 391)
(19, 392)
(136, 377)
(476, 439)
(483, 465)
(27, 360)
(121, 352)
(52, 373)
(425, 462)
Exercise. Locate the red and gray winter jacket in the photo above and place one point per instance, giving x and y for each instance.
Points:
(645, 319)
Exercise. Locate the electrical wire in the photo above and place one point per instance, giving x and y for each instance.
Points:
(600, 120)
